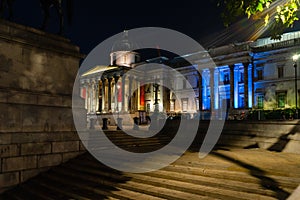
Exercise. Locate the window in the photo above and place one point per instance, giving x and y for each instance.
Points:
(280, 72)
(184, 104)
(260, 101)
(148, 107)
(224, 77)
(281, 99)
(260, 74)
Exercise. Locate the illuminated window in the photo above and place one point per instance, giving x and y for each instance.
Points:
(260, 101)
(148, 107)
(280, 72)
(281, 99)
(224, 76)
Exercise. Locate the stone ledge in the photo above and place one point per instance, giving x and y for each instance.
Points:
(37, 137)
(37, 38)
(34, 98)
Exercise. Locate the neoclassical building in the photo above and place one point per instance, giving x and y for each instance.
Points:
(256, 74)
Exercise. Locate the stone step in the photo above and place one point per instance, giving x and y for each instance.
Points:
(213, 182)
(144, 191)
(158, 182)
(212, 186)
(221, 175)
(268, 181)
(201, 189)
(218, 172)
(99, 169)
(99, 189)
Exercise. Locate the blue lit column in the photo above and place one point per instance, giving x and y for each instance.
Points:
(252, 84)
(200, 96)
(231, 105)
(246, 91)
(212, 88)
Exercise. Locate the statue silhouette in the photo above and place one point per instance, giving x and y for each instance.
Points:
(6, 4)
(58, 6)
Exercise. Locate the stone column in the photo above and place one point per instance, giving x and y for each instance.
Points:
(88, 97)
(246, 90)
(252, 83)
(231, 79)
(216, 88)
(104, 99)
(129, 94)
(116, 78)
(212, 88)
(200, 97)
(100, 90)
(123, 93)
(109, 94)
(91, 97)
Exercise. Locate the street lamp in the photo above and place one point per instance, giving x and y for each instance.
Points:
(295, 59)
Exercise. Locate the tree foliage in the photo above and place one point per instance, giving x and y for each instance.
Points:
(277, 14)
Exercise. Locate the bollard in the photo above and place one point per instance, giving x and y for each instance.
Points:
(92, 123)
(119, 123)
(104, 127)
(136, 123)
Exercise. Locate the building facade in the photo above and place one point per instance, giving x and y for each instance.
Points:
(258, 74)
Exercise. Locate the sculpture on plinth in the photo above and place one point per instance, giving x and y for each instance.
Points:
(57, 4)
(6, 4)
(6, 8)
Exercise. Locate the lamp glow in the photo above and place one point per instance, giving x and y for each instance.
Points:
(295, 57)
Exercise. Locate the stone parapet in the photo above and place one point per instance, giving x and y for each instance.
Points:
(37, 73)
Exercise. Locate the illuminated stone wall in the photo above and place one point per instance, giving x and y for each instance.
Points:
(37, 72)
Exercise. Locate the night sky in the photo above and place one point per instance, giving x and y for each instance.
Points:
(94, 21)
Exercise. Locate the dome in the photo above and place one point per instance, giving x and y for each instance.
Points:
(124, 44)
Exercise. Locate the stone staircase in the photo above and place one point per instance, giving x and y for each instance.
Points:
(233, 174)
(226, 173)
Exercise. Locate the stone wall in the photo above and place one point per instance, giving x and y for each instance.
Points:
(37, 73)
(278, 136)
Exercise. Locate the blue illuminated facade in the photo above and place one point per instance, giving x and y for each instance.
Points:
(251, 75)
(247, 75)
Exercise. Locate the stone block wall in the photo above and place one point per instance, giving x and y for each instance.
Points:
(278, 136)
(37, 73)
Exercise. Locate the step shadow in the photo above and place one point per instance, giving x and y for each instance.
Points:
(265, 181)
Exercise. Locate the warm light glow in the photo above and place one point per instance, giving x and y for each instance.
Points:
(295, 57)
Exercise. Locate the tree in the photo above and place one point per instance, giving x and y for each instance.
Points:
(278, 15)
